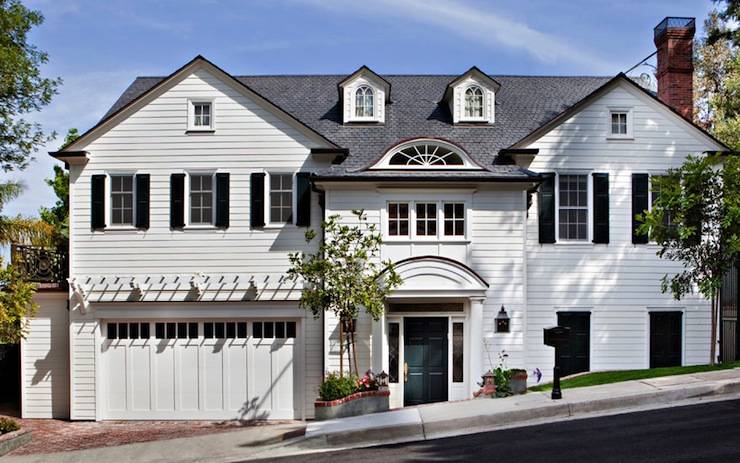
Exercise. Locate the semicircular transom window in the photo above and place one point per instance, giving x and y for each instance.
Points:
(426, 154)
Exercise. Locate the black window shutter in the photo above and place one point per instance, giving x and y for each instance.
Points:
(303, 199)
(177, 200)
(639, 205)
(257, 199)
(601, 208)
(222, 199)
(142, 201)
(97, 205)
(546, 204)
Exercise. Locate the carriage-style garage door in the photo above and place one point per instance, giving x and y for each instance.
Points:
(198, 369)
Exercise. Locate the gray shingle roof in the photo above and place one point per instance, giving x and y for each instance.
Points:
(523, 103)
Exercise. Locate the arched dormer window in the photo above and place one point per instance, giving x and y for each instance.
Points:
(425, 154)
(364, 102)
(473, 102)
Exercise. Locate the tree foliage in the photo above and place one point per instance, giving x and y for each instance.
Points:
(345, 273)
(16, 305)
(695, 219)
(57, 216)
(22, 87)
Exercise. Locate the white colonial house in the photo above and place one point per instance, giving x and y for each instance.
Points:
(506, 202)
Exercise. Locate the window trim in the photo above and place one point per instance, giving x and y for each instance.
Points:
(191, 127)
(619, 136)
(109, 199)
(373, 108)
(268, 220)
(484, 115)
(590, 209)
(384, 162)
(186, 200)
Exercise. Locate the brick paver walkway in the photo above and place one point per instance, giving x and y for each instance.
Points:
(59, 436)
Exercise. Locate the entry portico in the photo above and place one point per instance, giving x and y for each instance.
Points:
(433, 321)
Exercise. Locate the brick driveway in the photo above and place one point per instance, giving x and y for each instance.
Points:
(59, 436)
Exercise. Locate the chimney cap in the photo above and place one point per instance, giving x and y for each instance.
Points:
(672, 22)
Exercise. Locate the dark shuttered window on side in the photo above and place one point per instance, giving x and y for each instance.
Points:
(177, 200)
(303, 199)
(257, 199)
(222, 200)
(97, 205)
(601, 208)
(640, 191)
(142, 201)
(546, 204)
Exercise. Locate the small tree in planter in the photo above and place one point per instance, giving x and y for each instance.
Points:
(343, 275)
(695, 219)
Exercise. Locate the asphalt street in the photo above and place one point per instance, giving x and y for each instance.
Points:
(697, 433)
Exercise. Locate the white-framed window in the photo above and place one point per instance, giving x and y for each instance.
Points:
(201, 199)
(200, 115)
(573, 207)
(454, 219)
(474, 103)
(425, 154)
(398, 219)
(619, 123)
(364, 102)
(653, 196)
(426, 219)
(122, 201)
(280, 198)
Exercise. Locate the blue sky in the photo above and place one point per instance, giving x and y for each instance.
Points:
(98, 47)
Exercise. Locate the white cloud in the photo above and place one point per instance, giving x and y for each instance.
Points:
(480, 24)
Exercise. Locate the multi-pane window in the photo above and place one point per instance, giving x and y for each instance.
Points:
(201, 115)
(398, 219)
(122, 199)
(426, 219)
(454, 220)
(393, 351)
(473, 103)
(269, 330)
(225, 330)
(281, 198)
(619, 123)
(133, 330)
(458, 347)
(201, 199)
(573, 208)
(364, 102)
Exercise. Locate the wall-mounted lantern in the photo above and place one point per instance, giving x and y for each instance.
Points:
(502, 321)
(382, 380)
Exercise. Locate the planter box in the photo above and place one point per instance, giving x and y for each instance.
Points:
(360, 403)
(13, 440)
(518, 382)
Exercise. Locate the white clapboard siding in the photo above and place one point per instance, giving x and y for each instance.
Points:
(45, 359)
(619, 282)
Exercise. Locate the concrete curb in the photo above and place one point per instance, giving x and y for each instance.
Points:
(13, 440)
(431, 429)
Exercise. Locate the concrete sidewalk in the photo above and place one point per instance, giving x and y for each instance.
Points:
(466, 417)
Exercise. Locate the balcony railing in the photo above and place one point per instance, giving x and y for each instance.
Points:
(39, 265)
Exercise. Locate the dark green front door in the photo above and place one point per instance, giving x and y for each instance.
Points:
(574, 358)
(425, 356)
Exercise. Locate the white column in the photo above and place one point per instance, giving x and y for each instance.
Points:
(380, 346)
(475, 345)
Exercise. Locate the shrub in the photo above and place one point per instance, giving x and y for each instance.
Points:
(336, 387)
(7, 425)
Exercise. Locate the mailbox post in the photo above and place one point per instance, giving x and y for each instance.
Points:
(557, 337)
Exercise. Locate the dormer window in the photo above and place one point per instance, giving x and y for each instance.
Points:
(364, 102)
(474, 103)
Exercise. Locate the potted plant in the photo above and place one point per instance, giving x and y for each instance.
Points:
(347, 395)
(518, 381)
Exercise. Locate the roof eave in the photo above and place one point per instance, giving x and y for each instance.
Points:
(71, 157)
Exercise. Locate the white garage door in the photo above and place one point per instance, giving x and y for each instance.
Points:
(240, 369)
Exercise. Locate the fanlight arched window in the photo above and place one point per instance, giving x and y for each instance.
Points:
(425, 154)
(473, 102)
(364, 106)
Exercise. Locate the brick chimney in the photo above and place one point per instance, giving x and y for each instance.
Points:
(674, 39)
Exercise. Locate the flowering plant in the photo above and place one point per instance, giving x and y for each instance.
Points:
(367, 382)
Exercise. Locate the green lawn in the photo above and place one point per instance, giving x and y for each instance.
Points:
(608, 377)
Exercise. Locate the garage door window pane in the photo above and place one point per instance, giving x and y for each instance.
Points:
(241, 330)
(193, 330)
(171, 330)
(112, 331)
(123, 331)
(208, 330)
(219, 330)
(133, 329)
(159, 330)
(268, 330)
(257, 329)
(231, 330)
(279, 329)
(182, 330)
(290, 330)
(145, 331)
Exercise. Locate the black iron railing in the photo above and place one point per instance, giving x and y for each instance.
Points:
(41, 265)
(674, 23)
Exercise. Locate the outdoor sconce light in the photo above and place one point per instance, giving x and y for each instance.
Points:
(502, 321)
(382, 380)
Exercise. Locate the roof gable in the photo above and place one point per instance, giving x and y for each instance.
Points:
(371, 76)
(473, 73)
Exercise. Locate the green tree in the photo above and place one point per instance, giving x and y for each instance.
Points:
(695, 220)
(22, 87)
(16, 305)
(57, 216)
(19, 229)
(345, 275)
(727, 29)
